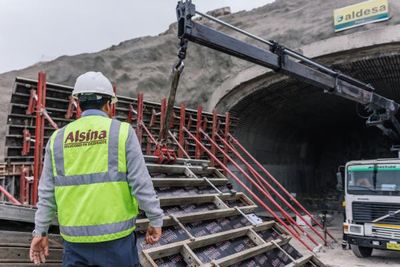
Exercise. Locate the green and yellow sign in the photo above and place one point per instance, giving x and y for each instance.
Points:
(361, 14)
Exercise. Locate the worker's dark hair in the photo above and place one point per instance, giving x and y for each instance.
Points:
(93, 101)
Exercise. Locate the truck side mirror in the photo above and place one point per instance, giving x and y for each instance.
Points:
(339, 181)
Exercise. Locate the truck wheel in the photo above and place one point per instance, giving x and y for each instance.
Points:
(361, 252)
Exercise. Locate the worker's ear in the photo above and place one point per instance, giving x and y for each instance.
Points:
(107, 108)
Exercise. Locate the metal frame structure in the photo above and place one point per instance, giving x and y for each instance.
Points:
(37, 105)
(281, 59)
(192, 135)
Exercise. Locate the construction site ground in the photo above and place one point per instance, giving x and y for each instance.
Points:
(337, 257)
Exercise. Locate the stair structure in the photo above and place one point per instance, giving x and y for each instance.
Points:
(208, 221)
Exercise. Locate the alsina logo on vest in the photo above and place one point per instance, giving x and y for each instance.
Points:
(87, 138)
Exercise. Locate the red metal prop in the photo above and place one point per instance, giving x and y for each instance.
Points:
(9, 196)
(26, 145)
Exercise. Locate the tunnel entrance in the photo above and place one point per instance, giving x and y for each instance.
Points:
(302, 135)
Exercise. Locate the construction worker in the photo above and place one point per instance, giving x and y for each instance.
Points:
(95, 178)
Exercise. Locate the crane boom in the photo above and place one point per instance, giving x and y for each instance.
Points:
(281, 59)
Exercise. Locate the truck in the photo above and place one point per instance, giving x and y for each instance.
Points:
(372, 205)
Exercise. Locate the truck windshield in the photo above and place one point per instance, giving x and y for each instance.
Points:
(373, 179)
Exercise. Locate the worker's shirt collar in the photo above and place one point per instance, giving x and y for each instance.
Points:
(94, 112)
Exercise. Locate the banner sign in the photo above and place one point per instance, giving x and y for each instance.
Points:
(360, 14)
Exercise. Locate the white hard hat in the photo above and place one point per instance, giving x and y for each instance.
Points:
(94, 83)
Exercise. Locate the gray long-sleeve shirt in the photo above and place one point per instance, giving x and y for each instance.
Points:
(137, 175)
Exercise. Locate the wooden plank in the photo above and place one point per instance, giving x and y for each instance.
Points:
(179, 169)
(248, 253)
(190, 257)
(16, 213)
(145, 260)
(189, 173)
(243, 255)
(165, 251)
(284, 251)
(19, 213)
(300, 262)
(219, 237)
(264, 226)
(204, 198)
(18, 254)
(171, 249)
(23, 239)
(219, 203)
(141, 224)
(191, 237)
(177, 200)
(183, 182)
(214, 214)
(255, 237)
(317, 262)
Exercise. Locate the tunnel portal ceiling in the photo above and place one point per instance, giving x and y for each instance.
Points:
(298, 104)
(302, 135)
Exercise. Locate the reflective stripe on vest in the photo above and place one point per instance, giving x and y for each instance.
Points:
(92, 206)
(94, 230)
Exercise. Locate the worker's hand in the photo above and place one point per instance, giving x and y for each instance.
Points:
(39, 250)
(153, 234)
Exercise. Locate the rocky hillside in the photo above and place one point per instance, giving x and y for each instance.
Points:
(144, 64)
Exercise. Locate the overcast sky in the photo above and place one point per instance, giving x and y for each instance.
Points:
(41, 30)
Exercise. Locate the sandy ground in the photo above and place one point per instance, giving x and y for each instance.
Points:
(335, 256)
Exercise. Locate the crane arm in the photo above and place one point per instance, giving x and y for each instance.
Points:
(281, 59)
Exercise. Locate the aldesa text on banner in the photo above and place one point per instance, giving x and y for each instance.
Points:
(361, 14)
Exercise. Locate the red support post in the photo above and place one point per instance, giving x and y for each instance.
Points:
(39, 132)
(162, 115)
(226, 133)
(24, 185)
(276, 182)
(140, 109)
(181, 137)
(213, 132)
(32, 102)
(73, 108)
(26, 145)
(131, 113)
(249, 191)
(198, 128)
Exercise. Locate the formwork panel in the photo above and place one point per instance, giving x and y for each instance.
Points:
(206, 222)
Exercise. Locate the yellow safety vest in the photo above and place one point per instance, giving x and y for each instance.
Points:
(93, 197)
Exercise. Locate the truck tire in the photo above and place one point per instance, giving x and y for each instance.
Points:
(361, 252)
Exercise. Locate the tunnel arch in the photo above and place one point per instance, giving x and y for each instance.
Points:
(301, 134)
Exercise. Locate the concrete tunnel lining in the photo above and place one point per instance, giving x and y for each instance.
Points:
(302, 135)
